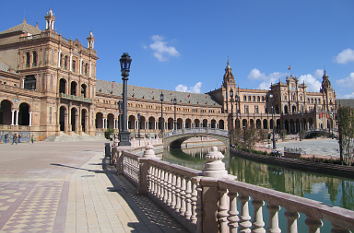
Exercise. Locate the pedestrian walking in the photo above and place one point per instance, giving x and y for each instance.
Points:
(19, 138)
(32, 138)
(14, 139)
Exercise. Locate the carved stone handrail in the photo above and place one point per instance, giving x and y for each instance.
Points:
(207, 204)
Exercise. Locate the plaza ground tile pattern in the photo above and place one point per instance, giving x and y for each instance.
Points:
(76, 195)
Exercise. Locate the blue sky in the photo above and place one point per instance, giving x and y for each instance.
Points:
(184, 44)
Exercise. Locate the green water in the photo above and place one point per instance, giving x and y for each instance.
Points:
(327, 189)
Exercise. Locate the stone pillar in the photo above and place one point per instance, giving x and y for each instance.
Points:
(30, 119)
(16, 123)
(12, 117)
(214, 167)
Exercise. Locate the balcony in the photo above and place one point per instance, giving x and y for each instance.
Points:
(75, 98)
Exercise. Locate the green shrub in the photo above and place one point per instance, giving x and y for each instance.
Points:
(108, 134)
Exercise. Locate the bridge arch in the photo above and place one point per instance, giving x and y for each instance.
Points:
(175, 138)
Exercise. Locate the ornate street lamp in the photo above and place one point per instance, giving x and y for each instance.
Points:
(271, 97)
(161, 119)
(232, 108)
(231, 130)
(124, 135)
(174, 115)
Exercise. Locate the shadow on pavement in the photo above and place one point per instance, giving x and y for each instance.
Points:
(77, 168)
(151, 218)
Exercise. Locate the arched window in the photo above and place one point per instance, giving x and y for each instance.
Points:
(73, 88)
(258, 99)
(5, 112)
(73, 66)
(256, 109)
(86, 69)
(62, 86)
(23, 117)
(30, 82)
(34, 59)
(83, 90)
(244, 98)
(28, 59)
(66, 61)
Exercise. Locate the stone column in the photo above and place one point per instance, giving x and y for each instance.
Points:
(12, 117)
(30, 119)
(16, 123)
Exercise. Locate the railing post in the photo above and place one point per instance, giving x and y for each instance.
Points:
(144, 176)
(209, 207)
(314, 224)
(233, 213)
(292, 217)
(273, 218)
(258, 224)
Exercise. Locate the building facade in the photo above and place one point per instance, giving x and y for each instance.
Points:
(48, 87)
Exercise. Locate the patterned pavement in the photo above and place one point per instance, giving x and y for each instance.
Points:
(31, 206)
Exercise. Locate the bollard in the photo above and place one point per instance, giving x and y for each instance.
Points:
(107, 150)
(214, 167)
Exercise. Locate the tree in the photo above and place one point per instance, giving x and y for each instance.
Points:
(250, 137)
(345, 117)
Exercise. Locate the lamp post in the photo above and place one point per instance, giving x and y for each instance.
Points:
(271, 97)
(231, 130)
(120, 116)
(139, 117)
(161, 119)
(124, 135)
(237, 98)
(174, 115)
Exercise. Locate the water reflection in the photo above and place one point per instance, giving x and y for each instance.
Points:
(324, 188)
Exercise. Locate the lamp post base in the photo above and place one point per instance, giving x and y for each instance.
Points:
(124, 139)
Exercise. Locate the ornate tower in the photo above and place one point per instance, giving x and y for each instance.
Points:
(327, 93)
(228, 89)
(90, 41)
(49, 20)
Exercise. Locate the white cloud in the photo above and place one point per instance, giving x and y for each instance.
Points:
(161, 50)
(347, 55)
(194, 89)
(347, 81)
(311, 81)
(267, 79)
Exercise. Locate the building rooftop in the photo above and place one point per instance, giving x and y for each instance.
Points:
(23, 27)
(153, 94)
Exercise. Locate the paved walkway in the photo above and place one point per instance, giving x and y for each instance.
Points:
(63, 187)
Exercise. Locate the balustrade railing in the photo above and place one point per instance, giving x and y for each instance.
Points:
(206, 204)
(197, 130)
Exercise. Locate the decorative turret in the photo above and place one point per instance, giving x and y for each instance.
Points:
(49, 20)
(91, 41)
(326, 84)
(228, 76)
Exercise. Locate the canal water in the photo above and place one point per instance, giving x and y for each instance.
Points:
(327, 189)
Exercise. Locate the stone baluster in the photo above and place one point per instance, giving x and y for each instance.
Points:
(165, 182)
(178, 194)
(245, 223)
(223, 207)
(338, 229)
(292, 217)
(194, 200)
(162, 185)
(151, 180)
(188, 195)
(158, 182)
(173, 188)
(233, 213)
(169, 189)
(183, 196)
(314, 224)
(273, 218)
(154, 180)
(258, 224)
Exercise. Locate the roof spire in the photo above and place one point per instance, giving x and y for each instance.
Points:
(24, 20)
(49, 19)
(228, 63)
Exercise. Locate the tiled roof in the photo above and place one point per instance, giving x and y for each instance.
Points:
(23, 27)
(345, 102)
(5, 67)
(152, 94)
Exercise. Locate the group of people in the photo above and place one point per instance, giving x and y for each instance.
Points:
(16, 138)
